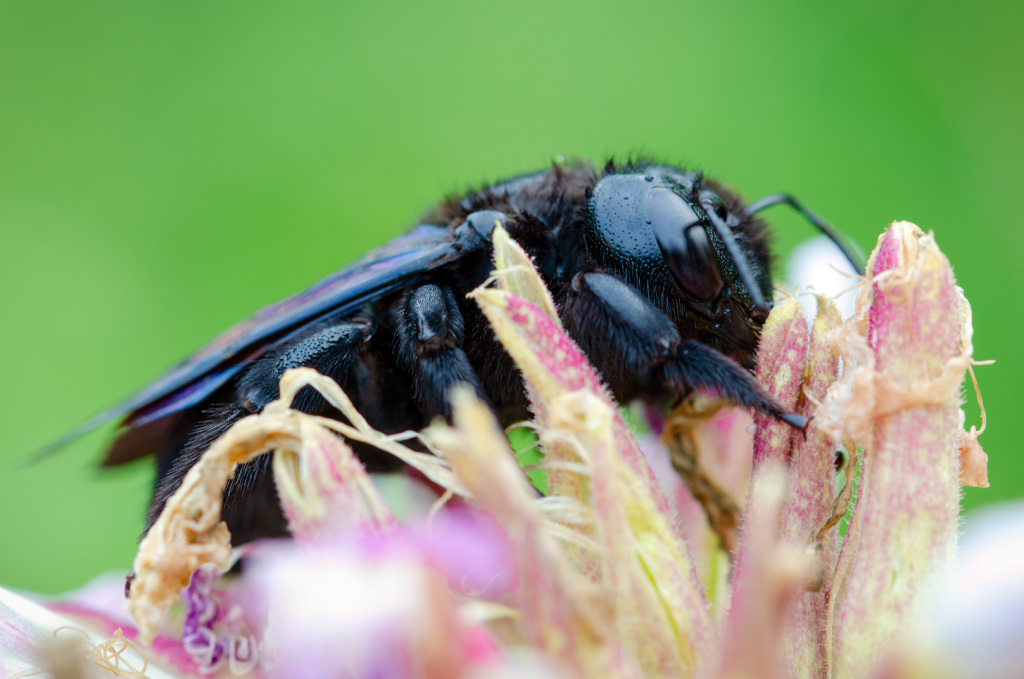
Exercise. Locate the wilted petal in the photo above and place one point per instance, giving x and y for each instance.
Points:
(973, 461)
(189, 532)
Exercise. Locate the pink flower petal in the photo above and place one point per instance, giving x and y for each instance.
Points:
(903, 533)
(323, 487)
(761, 594)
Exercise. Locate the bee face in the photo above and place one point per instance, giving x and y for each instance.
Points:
(657, 229)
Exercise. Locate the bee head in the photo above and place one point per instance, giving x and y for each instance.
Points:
(664, 225)
(678, 241)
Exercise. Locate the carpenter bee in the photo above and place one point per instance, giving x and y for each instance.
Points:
(661, 275)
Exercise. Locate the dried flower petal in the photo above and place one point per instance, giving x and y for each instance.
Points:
(189, 532)
(973, 461)
(867, 390)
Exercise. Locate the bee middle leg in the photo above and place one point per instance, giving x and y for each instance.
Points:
(429, 336)
(625, 335)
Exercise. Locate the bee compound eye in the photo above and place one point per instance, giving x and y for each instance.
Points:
(712, 202)
(684, 243)
(721, 211)
(699, 274)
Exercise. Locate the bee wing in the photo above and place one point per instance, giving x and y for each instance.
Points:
(382, 271)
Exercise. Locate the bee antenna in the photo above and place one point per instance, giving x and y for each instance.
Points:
(855, 259)
(742, 265)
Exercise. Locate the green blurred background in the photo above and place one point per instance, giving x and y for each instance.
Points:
(168, 168)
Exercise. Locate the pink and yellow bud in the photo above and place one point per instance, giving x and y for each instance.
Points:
(906, 351)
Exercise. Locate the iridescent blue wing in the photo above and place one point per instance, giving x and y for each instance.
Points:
(381, 272)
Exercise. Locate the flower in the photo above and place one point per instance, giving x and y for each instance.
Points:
(622, 568)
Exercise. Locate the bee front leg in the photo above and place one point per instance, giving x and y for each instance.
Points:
(707, 370)
(626, 336)
(622, 333)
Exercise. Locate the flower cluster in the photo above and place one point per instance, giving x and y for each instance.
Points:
(733, 567)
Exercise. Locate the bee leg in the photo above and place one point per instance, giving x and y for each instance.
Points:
(621, 331)
(330, 347)
(250, 504)
(429, 338)
(626, 335)
(855, 259)
(704, 368)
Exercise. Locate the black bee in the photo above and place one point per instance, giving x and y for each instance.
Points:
(661, 275)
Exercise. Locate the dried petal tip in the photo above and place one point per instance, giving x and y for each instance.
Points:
(973, 461)
(909, 344)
